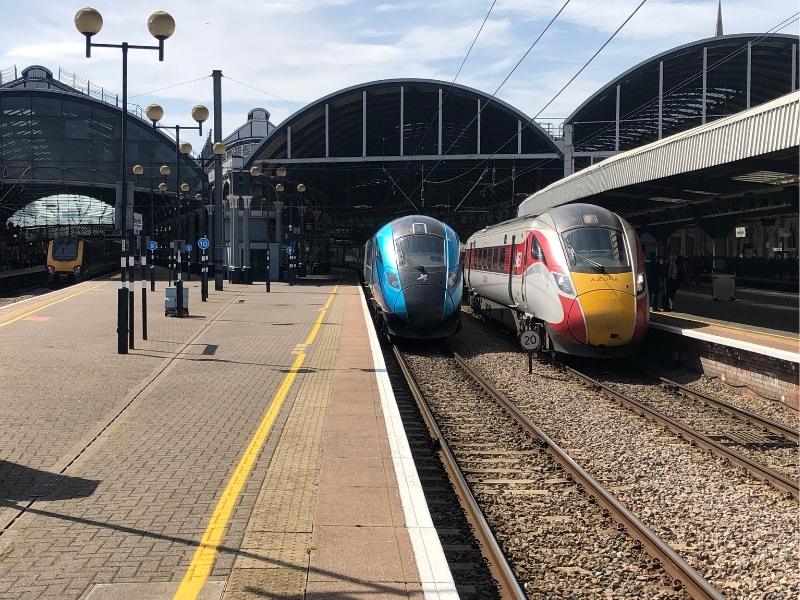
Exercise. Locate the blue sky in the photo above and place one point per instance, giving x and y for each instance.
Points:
(300, 50)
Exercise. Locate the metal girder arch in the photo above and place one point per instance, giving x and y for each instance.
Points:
(411, 145)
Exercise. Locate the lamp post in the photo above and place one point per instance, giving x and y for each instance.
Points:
(161, 25)
(138, 170)
(218, 151)
(256, 173)
(165, 170)
(200, 114)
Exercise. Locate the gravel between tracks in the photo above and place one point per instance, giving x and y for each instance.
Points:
(559, 544)
(739, 533)
(705, 419)
(771, 409)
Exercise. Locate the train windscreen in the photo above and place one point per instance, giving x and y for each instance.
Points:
(65, 248)
(596, 250)
(425, 251)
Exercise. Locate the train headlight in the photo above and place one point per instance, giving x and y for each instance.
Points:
(563, 283)
(639, 283)
(393, 280)
(452, 281)
(76, 270)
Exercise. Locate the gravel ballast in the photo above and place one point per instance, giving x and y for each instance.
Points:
(558, 542)
(739, 533)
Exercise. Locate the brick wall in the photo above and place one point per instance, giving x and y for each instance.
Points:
(770, 377)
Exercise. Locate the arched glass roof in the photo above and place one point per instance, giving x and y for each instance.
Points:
(404, 145)
(685, 87)
(54, 140)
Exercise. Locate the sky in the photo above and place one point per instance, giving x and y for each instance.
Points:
(291, 52)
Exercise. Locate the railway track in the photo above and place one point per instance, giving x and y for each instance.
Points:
(461, 539)
(500, 461)
(765, 449)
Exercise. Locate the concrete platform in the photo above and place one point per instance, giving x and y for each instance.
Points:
(250, 451)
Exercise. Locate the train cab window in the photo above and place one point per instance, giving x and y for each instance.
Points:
(420, 251)
(65, 248)
(596, 249)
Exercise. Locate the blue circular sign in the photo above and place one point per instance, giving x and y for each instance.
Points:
(152, 244)
(188, 247)
(203, 243)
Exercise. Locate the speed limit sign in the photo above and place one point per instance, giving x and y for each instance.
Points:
(530, 340)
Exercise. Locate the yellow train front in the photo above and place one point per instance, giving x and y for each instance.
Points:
(71, 259)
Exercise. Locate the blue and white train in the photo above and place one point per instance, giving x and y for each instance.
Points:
(412, 271)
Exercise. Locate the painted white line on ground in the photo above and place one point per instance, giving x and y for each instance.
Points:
(434, 572)
(733, 343)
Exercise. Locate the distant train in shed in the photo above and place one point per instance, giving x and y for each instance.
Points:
(70, 258)
(413, 276)
(575, 274)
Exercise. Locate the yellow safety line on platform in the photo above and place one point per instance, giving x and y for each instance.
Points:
(204, 556)
(48, 305)
(789, 336)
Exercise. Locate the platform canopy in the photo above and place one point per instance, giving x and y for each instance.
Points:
(387, 148)
(746, 163)
(680, 89)
(56, 140)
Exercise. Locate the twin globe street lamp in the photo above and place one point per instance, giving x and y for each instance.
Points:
(200, 114)
(161, 25)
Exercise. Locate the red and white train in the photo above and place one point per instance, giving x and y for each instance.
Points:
(575, 274)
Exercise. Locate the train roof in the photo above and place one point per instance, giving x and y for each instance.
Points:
(416, 224)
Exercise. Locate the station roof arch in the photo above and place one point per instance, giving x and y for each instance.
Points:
(683, 88)
(400, 146)
(55, 139)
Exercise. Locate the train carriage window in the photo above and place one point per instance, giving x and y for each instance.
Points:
(502, 262)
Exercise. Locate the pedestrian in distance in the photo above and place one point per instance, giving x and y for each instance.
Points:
(672, 281)
(653, 275)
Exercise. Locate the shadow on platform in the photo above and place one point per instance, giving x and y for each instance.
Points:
(19, 483)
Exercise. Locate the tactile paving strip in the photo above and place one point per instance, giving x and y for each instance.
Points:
(273, 559)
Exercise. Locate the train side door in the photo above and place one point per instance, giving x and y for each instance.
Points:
(524, 266)
(470, 257)
(512, 264)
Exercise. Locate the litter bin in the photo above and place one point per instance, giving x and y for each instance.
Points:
(723, 287)
(169, 301)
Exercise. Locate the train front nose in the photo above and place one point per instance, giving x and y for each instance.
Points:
(426, 306)
(603, 318)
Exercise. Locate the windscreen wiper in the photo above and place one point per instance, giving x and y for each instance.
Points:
(596, 265)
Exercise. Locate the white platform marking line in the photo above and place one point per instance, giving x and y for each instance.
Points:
(434, 572)
(734, 343)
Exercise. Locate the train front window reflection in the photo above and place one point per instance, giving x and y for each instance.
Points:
(65, 248)
(593, 249)
(416, 251)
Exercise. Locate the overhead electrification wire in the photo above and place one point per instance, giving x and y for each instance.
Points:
(649, 103)
(497, 89)
(449, 89)
(743, 48)
(252, 87)
(564, 87)
(169, 87)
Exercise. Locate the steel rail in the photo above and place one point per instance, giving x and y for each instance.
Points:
(682, 573)
(498, 566)
(759, 471)
(733, 410)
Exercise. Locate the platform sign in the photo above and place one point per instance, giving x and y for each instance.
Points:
(152, 245)
(289, 250)
(188, 247)
(741, 232)
(203, 243)
(137, 223)
(530, 340)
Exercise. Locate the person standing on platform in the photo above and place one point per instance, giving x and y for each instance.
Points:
(672, 281)
(653, 274)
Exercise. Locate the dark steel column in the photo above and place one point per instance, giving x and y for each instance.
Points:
(179, 309)
(122, 294)
(218, 237)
